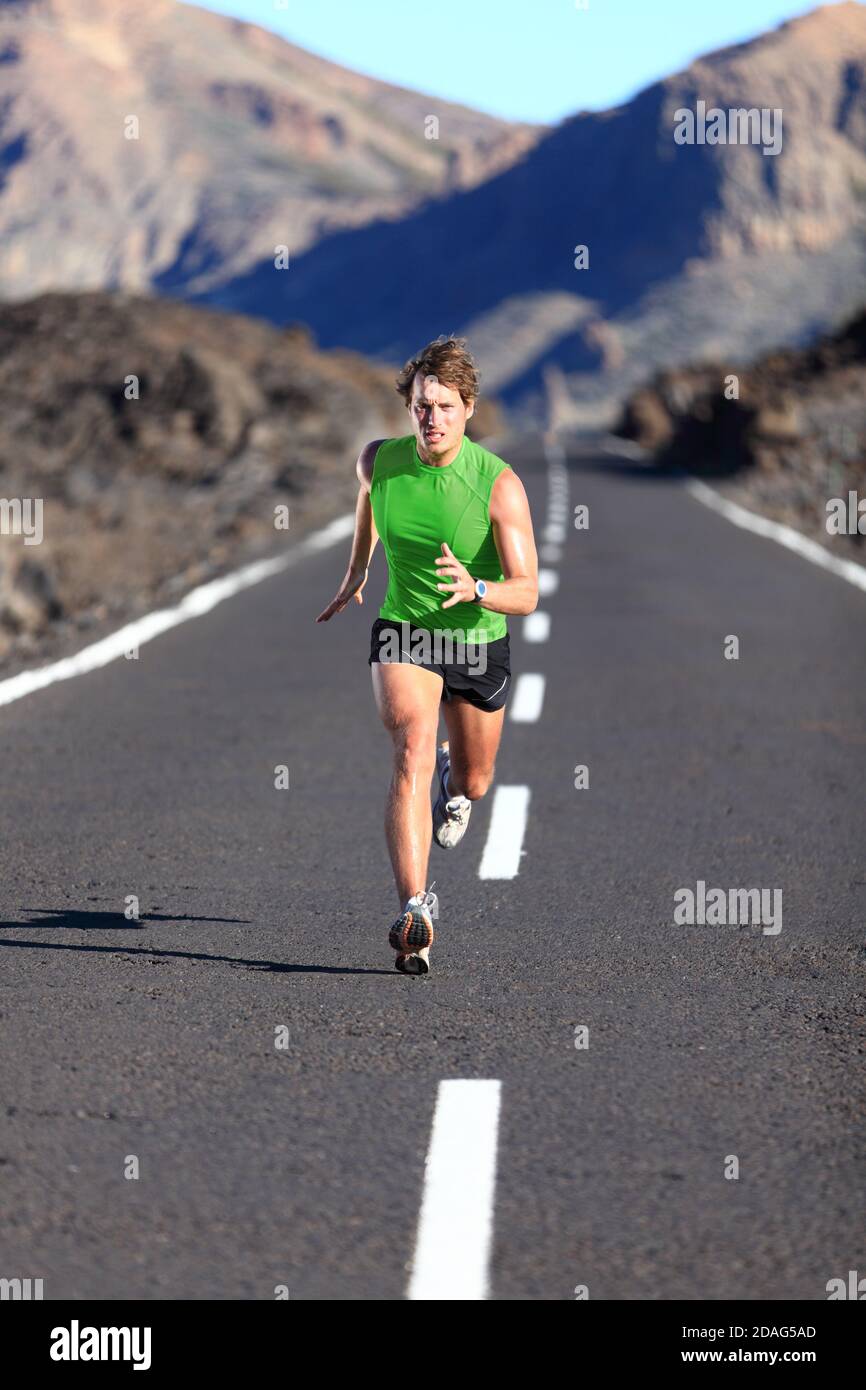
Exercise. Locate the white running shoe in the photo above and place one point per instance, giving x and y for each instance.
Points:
(450, 814)
(412, 934)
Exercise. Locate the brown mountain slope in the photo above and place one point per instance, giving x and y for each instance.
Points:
(693, 249)
(246, 143)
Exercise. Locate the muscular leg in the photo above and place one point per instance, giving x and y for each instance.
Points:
(473, 741)
(407, 698)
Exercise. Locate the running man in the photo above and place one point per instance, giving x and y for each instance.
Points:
(456, 529)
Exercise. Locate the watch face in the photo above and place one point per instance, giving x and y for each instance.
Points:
(480, 588)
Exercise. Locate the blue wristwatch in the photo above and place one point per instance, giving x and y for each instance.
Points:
(480, 590)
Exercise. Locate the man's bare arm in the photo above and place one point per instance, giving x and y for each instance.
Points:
(512, 532)
(515, 543)
(364, 539)
(366, 535)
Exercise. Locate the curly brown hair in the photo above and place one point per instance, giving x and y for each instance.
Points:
(450, 361)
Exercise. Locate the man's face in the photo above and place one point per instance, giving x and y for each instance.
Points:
(438, 417)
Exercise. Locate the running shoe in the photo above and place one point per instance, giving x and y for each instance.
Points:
(412, 934)
(450, 813)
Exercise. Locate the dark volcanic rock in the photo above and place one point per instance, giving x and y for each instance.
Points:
(159, 439)
(794, 437)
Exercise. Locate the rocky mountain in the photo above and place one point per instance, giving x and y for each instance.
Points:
(692, 250)
(158, 146)
(782, 436)
(578, 260)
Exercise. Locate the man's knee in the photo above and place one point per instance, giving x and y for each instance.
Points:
(475, 784)
(414, 749)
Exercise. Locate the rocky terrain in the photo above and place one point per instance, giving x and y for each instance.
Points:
(144, 496)
(793, 438)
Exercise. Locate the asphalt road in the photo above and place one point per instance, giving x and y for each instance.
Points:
(264, 907)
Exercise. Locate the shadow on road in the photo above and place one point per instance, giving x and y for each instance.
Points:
(276, 967)
(103, 921)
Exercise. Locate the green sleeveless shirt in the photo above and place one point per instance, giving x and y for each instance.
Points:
(417, 506)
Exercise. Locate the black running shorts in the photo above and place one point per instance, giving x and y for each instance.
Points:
(481, 675)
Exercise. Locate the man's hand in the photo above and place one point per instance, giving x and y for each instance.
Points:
(350, 588)
(462, 587)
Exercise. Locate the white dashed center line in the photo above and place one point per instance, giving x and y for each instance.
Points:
(528, 698)
(504, 847)
(456, 1222)
(536, 627)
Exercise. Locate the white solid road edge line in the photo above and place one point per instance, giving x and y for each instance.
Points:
(193, 605)
(776, 531)
(455, 1227)
(504, 846)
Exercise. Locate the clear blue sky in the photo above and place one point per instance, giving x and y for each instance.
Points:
(535, 60)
